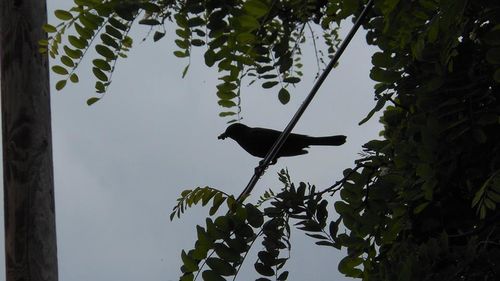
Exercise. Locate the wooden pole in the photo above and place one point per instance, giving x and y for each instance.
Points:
(30, 234)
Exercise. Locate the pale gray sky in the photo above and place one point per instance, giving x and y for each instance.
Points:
(121, 163)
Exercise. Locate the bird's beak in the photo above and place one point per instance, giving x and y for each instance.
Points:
(222, 136)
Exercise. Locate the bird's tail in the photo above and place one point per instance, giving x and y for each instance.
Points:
(332, 140)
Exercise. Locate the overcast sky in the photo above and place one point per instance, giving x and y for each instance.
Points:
(121, 164)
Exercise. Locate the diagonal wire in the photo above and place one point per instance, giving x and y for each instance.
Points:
(259, 170)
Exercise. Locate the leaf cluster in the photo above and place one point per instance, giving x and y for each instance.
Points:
(258, 39)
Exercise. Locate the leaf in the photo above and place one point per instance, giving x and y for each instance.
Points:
(74, 54)
(184, 72)
(67, 61)
(60, 84)
(284, 96)
(108, 40)
(209, 275)
(158, 35)
(84, 32)
(190, 264)
(74, 78)
(59, 70)
(101, 64)
(263, 270)
(380, 104)
(256, 8)
(220, 266)
(226, 253)
(381, 59)
(49, 28)
(254, 216)
(218, 200)
(105, 51)
(283, 276)
(386, 76)
(269, 84)
(227, 113)
(78, 43)
(150, 22)
(63, 15)
(292, 80)
(226, 103)
(248, 22)
(118, 24)
(99, 74)
(92, 100)
(113, 32)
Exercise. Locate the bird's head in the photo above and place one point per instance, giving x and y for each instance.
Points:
(233, 130)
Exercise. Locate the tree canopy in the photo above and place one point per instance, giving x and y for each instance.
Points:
(418, 205)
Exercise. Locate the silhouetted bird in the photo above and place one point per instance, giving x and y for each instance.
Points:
(258, 141)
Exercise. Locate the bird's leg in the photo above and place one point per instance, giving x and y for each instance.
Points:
(260, 169)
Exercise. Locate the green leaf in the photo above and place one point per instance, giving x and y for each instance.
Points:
(218, 200)
(158, 35)
(60, 84)
(209, 275)
(283, 276)
(105, 52)
(291, 80)
(74, 54)
(248, 22)
(101, 64)
(384, 60)
(269, 84)
(227, 113)
(150, 7)
(256, 8)
(254, 216)
(226, 103)
(99, 74)
(113, 32)
(190, 264)
(59, 70)
(263, 269)
(150, 22)
(184, 72)
(92, 100)
(220, 266)
(210, 58)
(63, 15)
(117, 24)
(347, 266)
(74, 78)
(100, 88)
(386, 76)
(84, 32)
(226, 253)
(284, 96)
(78, 43)
(49, 28)
(380, 104)
(108, 40)
(67, 61)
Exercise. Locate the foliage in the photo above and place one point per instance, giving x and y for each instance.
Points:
(421, 204)
(258, 39)
(224, 242)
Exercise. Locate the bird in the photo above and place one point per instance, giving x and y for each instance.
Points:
(258, 141)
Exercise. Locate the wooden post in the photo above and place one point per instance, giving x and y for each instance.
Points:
(30, 234)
